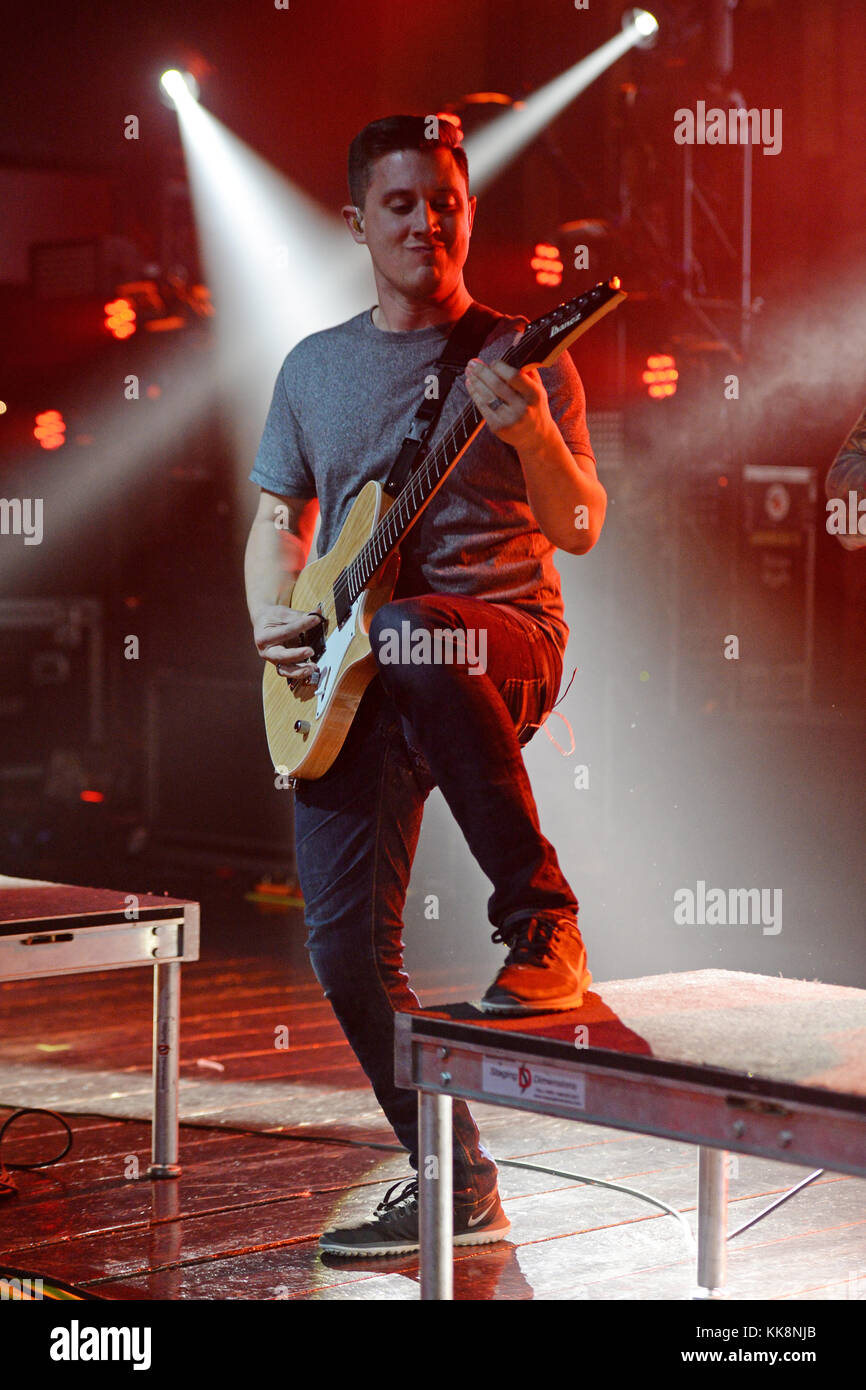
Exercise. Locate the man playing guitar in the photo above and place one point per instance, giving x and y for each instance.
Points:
(479, 562)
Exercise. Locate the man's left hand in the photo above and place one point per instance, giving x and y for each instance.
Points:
(513, 402)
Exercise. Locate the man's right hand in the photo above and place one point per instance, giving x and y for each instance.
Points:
(276, 631)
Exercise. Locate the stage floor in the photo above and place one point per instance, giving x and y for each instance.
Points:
(279, 1142)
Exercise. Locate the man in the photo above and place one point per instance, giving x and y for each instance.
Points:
(478, 562)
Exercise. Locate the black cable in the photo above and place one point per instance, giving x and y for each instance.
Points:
(7, 1184)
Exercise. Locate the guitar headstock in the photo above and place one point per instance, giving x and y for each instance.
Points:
(547, 337)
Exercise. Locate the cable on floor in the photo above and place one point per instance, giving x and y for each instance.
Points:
(7, 1182)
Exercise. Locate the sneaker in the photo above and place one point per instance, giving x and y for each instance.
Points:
(545, 969)
(393, 1229)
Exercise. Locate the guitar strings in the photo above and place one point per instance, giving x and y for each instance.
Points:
(352, 579)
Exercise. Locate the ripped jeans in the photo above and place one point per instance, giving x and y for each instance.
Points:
(424, 722)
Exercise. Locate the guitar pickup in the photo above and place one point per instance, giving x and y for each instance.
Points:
(315, 638)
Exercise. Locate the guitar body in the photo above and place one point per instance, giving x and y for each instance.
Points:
(307, 726)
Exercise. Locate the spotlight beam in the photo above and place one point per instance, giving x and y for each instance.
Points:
(502, 139)
(278, 267)
(128, 437)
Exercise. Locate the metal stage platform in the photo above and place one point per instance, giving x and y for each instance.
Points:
(725, 1061)
(281, 1137)
(49, 929)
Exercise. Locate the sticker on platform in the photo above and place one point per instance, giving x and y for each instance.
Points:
(534, 1083)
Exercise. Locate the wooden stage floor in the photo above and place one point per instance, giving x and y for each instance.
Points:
(278, 1143)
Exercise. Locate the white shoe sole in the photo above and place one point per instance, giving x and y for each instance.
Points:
(554, 1006)
(483, 1237)
(550, 1006)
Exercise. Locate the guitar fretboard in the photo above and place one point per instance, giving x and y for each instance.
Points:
(416, 492)
(536, 343)
(409, 502)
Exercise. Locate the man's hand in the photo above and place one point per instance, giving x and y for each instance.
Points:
(276, 630)
(513, 402)
(562, 488)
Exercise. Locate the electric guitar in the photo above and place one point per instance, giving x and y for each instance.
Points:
(307, 718)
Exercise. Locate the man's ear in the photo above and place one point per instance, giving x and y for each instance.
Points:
(354, 219)
(473, 203)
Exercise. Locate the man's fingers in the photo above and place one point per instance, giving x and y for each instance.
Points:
(297, 622)
(277, 630)
(499, 375)
(505, 370)
(272, 651)
(294, 672)
(523, 381)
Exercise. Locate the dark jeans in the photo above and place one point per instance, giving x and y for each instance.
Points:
(420, 724)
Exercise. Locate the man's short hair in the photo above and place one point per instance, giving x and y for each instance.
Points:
(398, 133)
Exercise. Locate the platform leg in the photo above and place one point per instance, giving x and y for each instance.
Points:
(435, 1190)
(712, 1221)
(166, 1067)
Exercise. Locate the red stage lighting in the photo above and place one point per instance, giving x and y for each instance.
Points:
(660, 375)
(50, 429)
(546, 264)
(120, 318)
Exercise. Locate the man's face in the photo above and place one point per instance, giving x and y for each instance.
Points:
(417, 220)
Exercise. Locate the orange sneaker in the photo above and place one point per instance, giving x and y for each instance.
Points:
(545, 969)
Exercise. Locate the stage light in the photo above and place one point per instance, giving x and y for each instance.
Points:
(643, 24)
(120, 318)
(50, 429)
(546, 264)
(179, 86)
(2, 407)
(660, 375)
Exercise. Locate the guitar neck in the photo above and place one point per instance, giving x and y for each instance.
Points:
(540, 344)
(413, 498)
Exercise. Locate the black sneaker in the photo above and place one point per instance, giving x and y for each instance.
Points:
(393, 1229)
(545, 969)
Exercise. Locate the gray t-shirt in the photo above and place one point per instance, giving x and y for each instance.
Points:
(342, 404)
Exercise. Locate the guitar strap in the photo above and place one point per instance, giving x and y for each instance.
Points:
(465, 341)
